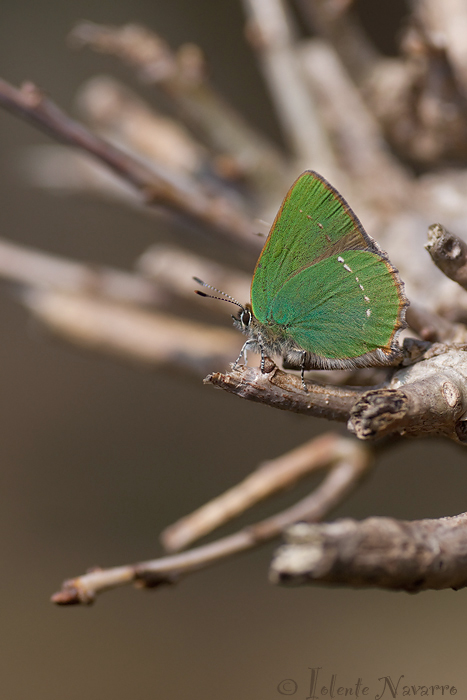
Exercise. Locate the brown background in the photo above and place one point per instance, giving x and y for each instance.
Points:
(96, 457)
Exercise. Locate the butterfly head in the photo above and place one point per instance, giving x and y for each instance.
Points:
(243, 319)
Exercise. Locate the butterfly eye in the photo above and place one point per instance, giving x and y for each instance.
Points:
(245, 317)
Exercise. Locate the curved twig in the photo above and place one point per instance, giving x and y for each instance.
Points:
(341, 479)
(275, 475)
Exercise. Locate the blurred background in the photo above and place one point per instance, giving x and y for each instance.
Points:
(97, 457)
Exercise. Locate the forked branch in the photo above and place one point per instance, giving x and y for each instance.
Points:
(347, 463)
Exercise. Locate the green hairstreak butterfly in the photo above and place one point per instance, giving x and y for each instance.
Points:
(323, 294)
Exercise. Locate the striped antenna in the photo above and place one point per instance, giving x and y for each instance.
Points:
(224, 297)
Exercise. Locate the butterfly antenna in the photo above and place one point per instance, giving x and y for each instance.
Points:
(224, 297)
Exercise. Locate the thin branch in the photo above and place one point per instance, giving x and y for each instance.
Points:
(429, 325)
(446, 24)
(28, 266)
(449, 253)
(285, 391)
(338, 483)
(156, 186)
(174, 268)
(380, 178)
(378, 553)
(338, 24)
(271, 33)
(149, 339)
(270, 477)
(123, 117)
(183, 78)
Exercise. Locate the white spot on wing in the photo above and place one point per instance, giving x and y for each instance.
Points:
(349, 269)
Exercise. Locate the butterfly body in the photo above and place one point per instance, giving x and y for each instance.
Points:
(323, 294)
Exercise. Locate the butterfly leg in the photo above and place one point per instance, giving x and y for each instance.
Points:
(243, 354)
(259, 344)
(302, 371)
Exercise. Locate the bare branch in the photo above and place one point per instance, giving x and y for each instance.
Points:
(428, 398)
(271, 33)
(183, 77)
(270, 477)
(377, 553)
(338, 24)
(342, 478)
(429, 325)
(25, 265)
(379, 178)
(150, 339)
(449, 253)
(174, 268)
(285, 391)
(156, 186)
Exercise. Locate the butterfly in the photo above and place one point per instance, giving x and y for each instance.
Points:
(323, 294)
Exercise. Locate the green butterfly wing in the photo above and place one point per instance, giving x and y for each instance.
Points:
(324, 282)
(341, 310)
(314, 221)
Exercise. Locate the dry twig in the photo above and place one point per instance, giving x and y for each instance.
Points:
(149, 339)
(183, 77)
(156, 186)
(347, 464)
(376, 552)
(271, 32)
(270, 477)
(285, 391)
(449, 253)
